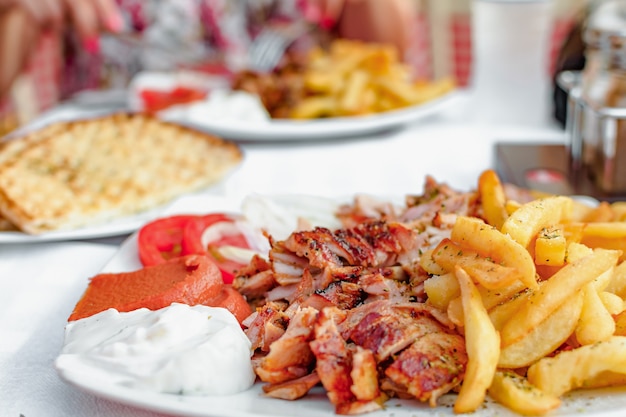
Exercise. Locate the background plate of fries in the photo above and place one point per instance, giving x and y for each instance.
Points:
(349, 88)
(293, 130)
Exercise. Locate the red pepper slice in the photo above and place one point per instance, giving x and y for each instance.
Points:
(162, 239)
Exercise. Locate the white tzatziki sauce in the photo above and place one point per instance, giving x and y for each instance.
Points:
(180, 349)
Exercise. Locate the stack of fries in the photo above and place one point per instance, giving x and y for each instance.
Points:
(538, 289)
(356, 78)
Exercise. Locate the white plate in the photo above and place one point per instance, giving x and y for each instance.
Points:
(116, 227)
(294, 130)
(252, 403)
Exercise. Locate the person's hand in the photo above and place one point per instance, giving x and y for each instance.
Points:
(23, 21)
(87, 17)
(325, 13)
(386, 21)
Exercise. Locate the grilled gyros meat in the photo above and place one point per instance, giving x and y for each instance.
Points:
(345, 308)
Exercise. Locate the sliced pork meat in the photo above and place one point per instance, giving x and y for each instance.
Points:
(346, 308)
(431, 366)
(290, 356)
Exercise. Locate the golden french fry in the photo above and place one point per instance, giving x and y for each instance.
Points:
(516, 393)
(352, 99)
(602, 213)
(511, 206)
(617, 284)
(492, 299)
(492, 198)
(441, 289)
(605, 379)
(489, 242)
(612, 302)
(619, 209)
(543, 338)
(502, 312)
(576, 251)
(483, 347)
(620, 324)
(557, 290)
(428, 264)
(571, 369)
(484, 271)
(550, 247)
(524, 224)
(595, 324)
(314, 107)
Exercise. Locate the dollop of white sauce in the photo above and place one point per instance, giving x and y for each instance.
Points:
(180, 349)
(221, 106)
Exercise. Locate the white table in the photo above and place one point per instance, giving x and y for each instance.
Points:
(40, 283)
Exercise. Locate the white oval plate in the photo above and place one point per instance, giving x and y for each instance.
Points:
(329, 128)
(252, 403)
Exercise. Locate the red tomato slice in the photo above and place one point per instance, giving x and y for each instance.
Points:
(162, 239)
(193, 230)
(156, 100)
(192, 242)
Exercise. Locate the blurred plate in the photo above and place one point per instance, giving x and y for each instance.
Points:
(294, 130)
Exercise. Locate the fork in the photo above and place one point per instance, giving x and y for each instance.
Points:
(270, 45)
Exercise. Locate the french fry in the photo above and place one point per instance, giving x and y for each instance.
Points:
(619, 209)
(484, 271)
(602, 213)
(441, 289)
(612, 302)
(572, 369)
(502, 312)
(557, 290)
(543, 338)
(620, 324)
(492, 198)
(516, 393)
(595, 324)
(524, 224)
(617, 284)
(488, 241)
(482, 344)
(428, 264)
(576, 251)
(352, 100)
(356, 78)
(314, 107)
(550, 247)
(608, 235)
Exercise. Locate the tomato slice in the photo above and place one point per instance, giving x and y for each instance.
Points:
(161, 239)
(156, 100)
(174, 236)
(195, 241)
(193, 230)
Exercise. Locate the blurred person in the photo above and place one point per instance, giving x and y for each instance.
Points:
(22, 22)
(105, 42)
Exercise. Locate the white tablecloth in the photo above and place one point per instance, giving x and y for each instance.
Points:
(39, 284)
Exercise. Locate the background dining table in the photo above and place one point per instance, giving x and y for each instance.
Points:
(41, 282)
